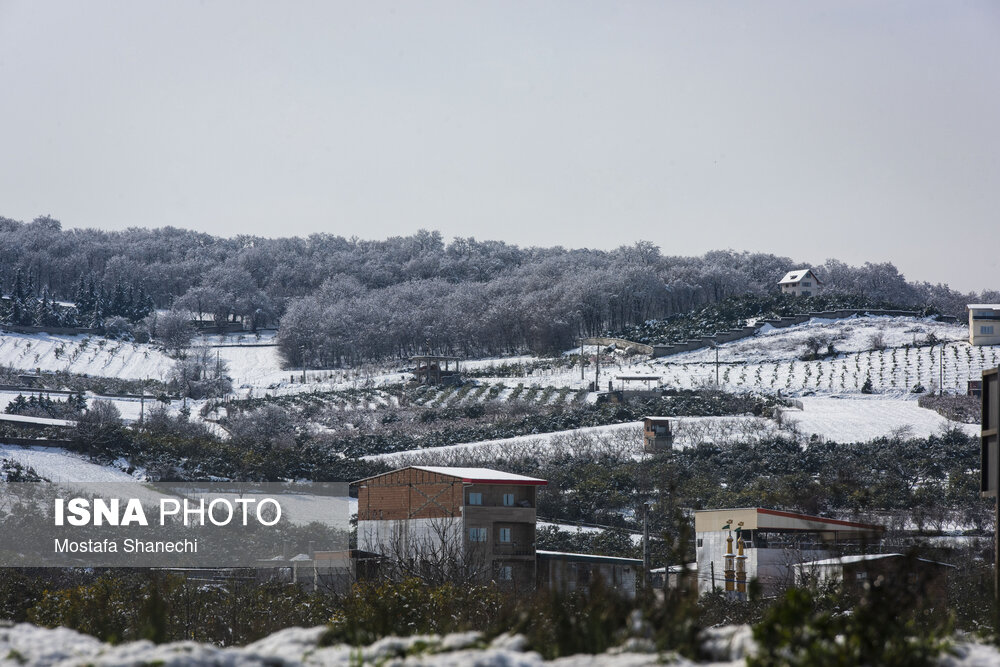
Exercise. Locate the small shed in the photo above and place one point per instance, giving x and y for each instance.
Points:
(435, 369)
(922, 581)
(569, 572)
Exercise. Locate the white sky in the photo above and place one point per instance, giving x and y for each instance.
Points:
(866, 131)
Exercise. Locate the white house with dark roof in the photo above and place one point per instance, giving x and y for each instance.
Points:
(984, 323)
(800, 282)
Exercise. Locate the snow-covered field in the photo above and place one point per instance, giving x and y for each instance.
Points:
(856, 419)
(59, 465)
(727, 646)
(844, 419)
(626, 434)
(83, 355)
(769, 361)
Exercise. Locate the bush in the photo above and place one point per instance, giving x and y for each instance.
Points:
(813, 630)
(374, 610)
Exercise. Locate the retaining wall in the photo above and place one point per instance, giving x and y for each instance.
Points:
(62, 331)
(37, 442)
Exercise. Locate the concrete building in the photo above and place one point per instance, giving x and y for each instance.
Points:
(917, 580)
(800, 282)
(476, 519)
(570, 572)
(657, 434)
(735, 546)
(984, 323)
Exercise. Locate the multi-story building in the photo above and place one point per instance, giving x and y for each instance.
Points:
(984, 323)
(474, 522)
(657, 435)
(800, 282)
(736, 546)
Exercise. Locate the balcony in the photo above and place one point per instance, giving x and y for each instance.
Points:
(513, 549)
(499, 513)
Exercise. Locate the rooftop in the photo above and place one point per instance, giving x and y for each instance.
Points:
(859, 558)
(595, 558)
(983, 306)
(481, 475)
(471, 475)
(40, 421)
(796, 275)
(758, 518)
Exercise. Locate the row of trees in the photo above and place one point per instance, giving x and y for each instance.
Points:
(93, 304)
(346, 299)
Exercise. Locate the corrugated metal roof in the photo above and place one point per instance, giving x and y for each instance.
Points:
(859, 558)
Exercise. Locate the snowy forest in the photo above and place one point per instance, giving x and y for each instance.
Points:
(339, 299)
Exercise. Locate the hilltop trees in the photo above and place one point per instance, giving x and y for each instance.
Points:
(339, 299)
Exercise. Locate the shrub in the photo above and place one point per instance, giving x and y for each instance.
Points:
(808, 629)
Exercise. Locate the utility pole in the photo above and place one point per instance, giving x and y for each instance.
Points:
(941, 371)
(582, 377)
(597, 370)
(716, 366)
(645, 545)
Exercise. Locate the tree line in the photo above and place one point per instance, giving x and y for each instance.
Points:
(341, 300)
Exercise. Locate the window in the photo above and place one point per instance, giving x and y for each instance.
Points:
(506, 573)
(508, 499)
(477, 534)
(861, 576)
(475, 498)
(986, 330)
(505, 534)
(806, 283)
(700, 542)
(806, 292)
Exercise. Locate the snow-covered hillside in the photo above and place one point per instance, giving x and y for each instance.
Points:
(769, 361)
(83, 355)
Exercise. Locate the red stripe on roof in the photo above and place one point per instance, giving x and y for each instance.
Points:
(807, 517)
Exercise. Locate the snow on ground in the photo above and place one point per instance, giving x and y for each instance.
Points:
(852, 334)
(626, 433)
(20, 420)
(59, 465)
(769, 361)
(84, 355)
(728, 646)
(841, 419)
(569, 527)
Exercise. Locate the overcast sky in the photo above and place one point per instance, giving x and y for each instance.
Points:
(865, 131)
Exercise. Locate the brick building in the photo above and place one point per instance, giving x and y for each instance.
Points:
(475, 523)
